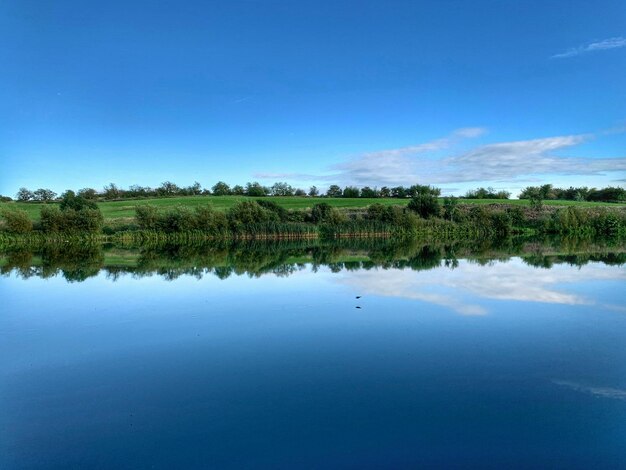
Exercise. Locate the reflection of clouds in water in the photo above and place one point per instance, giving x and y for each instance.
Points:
(604, 392)
(615, 308)
(511, 280)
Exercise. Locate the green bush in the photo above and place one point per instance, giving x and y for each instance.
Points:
(393, 215)
(69, 200)
(210, 221)
(296, 216)
(376, 212)
(147, 217)
(324, 213)
(517, 216)
(179, 219)
(249, 212)
(500, 222)
(70, 220)
(51, 219)
(320, 212)
(425, 204)
(17, 221)
(571, 219)
(607, 222)
(281, 212)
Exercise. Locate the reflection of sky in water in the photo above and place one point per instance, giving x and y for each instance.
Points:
(285, 372)
(461, 288)
(602, 392)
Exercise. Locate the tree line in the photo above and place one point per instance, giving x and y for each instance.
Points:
(112, 192)
(251, 189)
(583, 193)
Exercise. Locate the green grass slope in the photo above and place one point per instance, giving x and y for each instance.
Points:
(121, 211)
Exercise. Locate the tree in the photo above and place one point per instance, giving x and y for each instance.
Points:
(368, 192)
(488, 193)
(425, 204)
(256, 190)
(423, 189)
(88, 193)
(300, 192)
(608, 194)
(24, 195)
(168, 188)
(546, 191)
(238, 190)
(351, 192)
(313, 191)
(385, 192)
(281, 189)
(69, 200)
(334, 191)
(220, 189)
(44, 195)
(399, 192)
(111, 191)
(195, 189)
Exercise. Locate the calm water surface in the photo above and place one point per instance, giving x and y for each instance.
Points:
(488, 364)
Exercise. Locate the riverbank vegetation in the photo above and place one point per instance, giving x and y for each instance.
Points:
(425, 215)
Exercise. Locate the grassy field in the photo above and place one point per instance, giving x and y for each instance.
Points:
(123, 211)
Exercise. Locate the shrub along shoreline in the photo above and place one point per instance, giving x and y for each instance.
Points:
(77, 218)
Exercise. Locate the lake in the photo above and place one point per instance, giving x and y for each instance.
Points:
(355, 355)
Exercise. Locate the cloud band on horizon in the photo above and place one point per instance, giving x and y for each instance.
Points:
(496, 162)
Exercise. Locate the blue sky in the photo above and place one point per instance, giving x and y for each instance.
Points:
(453, 93)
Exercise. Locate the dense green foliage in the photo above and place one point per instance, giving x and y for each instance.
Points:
(486, 193)
(69, 200)
(17, 221)
(425, 202)
(548, 192)
(55, 220)
(74, 214)
(182, 219)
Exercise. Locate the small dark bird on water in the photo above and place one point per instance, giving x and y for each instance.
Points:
(358, 306)
(358, 296)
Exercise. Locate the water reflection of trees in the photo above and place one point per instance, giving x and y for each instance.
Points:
(79, 262)
(74, 262)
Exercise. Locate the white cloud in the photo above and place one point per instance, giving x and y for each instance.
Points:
(398, 166)
(432, 146)
(503, 163)
(499, 162)
(611, 43)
